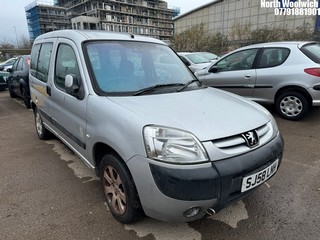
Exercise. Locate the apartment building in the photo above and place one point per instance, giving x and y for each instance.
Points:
(42, 18)
(145, 17)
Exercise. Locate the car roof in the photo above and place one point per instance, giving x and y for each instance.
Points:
(279, 44)
(299, 44)
(80, 36)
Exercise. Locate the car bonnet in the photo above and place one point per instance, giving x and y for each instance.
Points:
(207, 113)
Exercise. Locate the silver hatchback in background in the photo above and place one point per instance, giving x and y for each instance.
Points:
(286, 74)
(162, 144)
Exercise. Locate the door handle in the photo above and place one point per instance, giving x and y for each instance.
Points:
(247, 76)
(48, 90)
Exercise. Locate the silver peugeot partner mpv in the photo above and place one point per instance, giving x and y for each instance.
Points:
(163, 144)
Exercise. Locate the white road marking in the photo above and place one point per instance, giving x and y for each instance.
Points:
(73, 161)
(168, 231)
(232, 215)
(267, 184)
(164, 231)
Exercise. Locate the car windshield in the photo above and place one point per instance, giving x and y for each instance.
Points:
(197, 58)
(9, 61)
(312, 51)
(125, 68)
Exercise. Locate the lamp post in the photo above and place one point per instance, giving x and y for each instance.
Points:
(15, 31)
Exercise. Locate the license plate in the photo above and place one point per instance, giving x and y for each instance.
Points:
(258, 178)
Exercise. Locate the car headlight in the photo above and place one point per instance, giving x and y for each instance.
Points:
(173, 146)
(274, 126)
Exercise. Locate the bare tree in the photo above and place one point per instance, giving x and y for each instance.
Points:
(240, 34)
(303, 33)
(199, 39)
(5, 43)
(24, 42)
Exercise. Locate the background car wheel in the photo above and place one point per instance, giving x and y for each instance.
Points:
(11, 93)
(26, 98)
(119, 189)
(42, 132)
(292, 105)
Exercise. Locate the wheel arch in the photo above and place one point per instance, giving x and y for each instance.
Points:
(297, 89)
(99, 150)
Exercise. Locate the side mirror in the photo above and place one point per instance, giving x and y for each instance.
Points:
(9, 70)
(72, 86)
(185, 61)
(214, 69)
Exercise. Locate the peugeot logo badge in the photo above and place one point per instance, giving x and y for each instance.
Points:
(251, 138)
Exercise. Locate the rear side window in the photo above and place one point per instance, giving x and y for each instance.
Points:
(272, 57)
(312, 51)
(40, 60)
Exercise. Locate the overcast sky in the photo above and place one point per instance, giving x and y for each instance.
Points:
(13, 23)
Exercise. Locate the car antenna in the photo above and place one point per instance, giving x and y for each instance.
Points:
(131, 35)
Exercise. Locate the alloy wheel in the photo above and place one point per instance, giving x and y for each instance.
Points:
(114, 190)
(39, 125)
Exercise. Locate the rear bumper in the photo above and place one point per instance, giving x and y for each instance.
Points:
(166, 191)
(316, 103)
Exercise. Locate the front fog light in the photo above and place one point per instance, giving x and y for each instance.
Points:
(173, 145)
(191, 212)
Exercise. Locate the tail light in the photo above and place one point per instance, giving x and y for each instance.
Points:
(313, 71)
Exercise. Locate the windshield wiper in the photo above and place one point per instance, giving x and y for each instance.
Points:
(152, 88)
(189, 83)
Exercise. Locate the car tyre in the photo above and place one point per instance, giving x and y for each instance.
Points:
(292, 105)
(119, 190)
(41, 130)
(11, 93)
(26, 98)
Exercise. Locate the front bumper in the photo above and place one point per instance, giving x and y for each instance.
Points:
(166, 191)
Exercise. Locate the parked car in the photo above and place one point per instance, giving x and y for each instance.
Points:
(286, 74)
(3, 80)
(4, 66)
(194, 61)
(115, 101)
(18, 79)
(208, 55)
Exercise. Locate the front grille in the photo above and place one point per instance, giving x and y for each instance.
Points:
(237, 144)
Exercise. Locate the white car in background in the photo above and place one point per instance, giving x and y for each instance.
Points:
(4, 66)
(195, 61)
